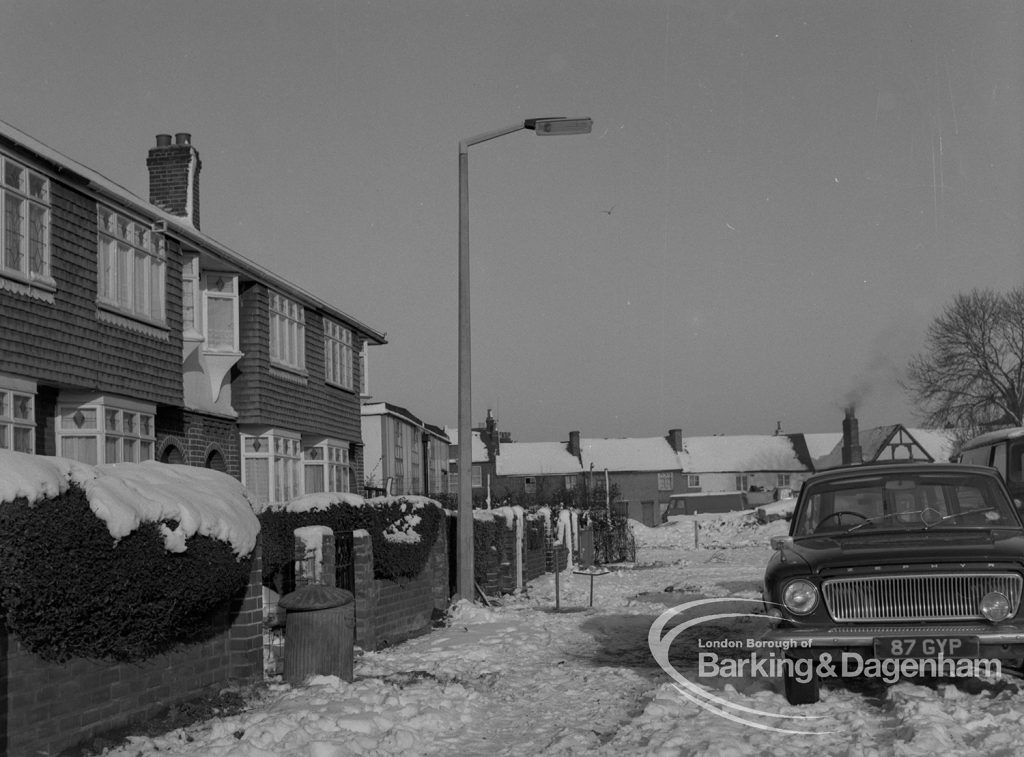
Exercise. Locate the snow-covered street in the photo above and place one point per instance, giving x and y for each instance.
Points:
(522, 679)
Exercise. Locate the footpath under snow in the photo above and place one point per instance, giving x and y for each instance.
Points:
(521, 679)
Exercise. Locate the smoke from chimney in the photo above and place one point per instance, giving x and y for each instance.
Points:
(851, 438)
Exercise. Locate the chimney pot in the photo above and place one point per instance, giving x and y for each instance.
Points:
(163, 140)
(182, 138)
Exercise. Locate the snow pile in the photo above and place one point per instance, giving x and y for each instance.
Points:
(321, 501)
(123, 495)
(738, 530)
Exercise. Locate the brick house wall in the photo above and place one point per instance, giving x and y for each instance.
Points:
(198, 437)
(48, 707)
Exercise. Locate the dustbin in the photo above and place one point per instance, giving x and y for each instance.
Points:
(319, 632)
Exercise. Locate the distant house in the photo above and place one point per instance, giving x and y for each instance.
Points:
(130, 335)
(751, 468)
(889, 443)
(403, 454)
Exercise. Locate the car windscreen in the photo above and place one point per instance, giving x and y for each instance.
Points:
(902, 501)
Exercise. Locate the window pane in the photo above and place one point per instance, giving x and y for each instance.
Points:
(141, 276)
(257, 478)
(13, 174)
(188, 305)
(80, 448)
(124, 263)
(156, 290)
(22, 440)
(314, 479)
(12, 232)
(110, 450)
(220, 328)
(37, 239)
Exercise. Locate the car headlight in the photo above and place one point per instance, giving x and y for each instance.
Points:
(800, 597)
(995, 606)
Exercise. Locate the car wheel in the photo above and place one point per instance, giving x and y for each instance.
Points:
(801, 692)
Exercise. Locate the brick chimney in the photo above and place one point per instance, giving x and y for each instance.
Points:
(675, 439)
(174, 176)
(851, 439)
(574, 445)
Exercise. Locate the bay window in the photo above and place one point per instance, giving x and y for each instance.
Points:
(100, 429)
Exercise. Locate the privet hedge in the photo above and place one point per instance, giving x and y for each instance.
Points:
(391, 559)
(68, 589)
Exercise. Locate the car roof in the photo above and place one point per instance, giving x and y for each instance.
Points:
(992, 437)
(898, 469)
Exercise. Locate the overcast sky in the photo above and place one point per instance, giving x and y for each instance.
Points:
(776, 199)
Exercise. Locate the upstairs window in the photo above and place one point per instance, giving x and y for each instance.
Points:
(287, 333)
(132, 266)
(25, 222)
(665, 482)
(338, 355)
(220, 311)
(742, 482)
(693, 481)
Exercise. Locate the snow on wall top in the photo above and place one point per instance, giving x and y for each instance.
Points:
(707, 454)
(123, 495)
(536, 459)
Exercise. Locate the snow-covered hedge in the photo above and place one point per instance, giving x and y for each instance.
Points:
(402, 530)
(118, 562)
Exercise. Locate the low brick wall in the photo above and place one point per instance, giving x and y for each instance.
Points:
(388, 612)
(47, 707)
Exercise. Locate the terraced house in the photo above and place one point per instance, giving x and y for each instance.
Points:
(126, 334)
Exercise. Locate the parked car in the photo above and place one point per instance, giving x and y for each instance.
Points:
(893, 563)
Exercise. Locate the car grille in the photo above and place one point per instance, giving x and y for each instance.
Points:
(928, 597)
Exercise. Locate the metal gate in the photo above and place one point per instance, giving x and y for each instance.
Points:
(344, 561)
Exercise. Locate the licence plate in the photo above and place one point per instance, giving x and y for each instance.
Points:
(924, 647)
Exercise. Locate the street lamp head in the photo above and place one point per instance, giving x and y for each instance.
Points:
(559, 125)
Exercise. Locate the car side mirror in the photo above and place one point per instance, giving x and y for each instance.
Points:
(780, 543)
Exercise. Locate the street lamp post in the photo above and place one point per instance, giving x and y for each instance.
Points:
(542, 126)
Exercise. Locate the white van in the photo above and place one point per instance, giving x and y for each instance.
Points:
(1002, 450)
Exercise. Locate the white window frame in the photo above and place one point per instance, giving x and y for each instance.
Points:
(666, 481)
(287, 333)
(17, 415)
(21, 186)
(279, 451)
(742, 482)
(478, 477)
(131, 267)
(530, 484)
(123, 430)
(782, 479)
(330, 459)
(693, 481)
(338, 355)
(219, 286)
(570, 483)
(191, 297)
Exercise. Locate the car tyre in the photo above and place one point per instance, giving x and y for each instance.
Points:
(802, 692)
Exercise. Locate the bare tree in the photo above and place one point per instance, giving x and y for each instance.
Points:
(971, 375)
